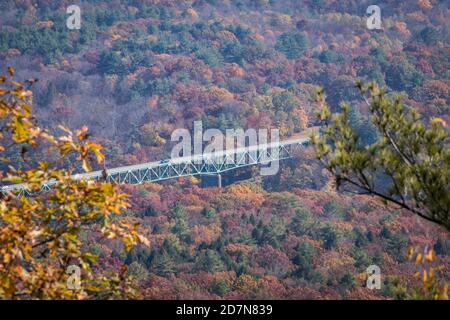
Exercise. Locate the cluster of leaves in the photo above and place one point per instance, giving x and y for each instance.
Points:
(432, 288)
(408, 165)
(40, 236)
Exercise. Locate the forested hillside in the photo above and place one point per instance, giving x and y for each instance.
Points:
(139, 69)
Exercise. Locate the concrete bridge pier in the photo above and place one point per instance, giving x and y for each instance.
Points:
(219, 180)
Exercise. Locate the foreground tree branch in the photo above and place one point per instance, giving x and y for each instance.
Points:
(40, 235)
(411, 158)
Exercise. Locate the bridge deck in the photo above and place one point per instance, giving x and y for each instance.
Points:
(206, 163)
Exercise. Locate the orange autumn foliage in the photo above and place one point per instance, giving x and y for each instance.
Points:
(206, 234)
(239, 248)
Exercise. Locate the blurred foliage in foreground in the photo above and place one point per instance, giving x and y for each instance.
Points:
(40, 237)
(408, 165)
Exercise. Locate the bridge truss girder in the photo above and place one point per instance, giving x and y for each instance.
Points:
(172, 169)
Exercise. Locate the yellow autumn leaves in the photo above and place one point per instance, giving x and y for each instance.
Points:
(41, 236)
(432, 288)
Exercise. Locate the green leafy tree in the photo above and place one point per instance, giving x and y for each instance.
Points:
(303, 260)
(333, 208)
(303, 222)
(219, 287)
(360, 237)
(111, 63)
(401, 75)
(293, 44)
(330, 236)
(138, 271)
(285, 101)
(429, 35)
(411, 157)
(163, 263)
(330, 56)
(181, 227)
(362, 260)
(210, 261)
(396, 246)
(209, 212)
(348, 281)
(232, 51)
(210, 56)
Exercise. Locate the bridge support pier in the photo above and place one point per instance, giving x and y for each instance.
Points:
(218, 176)
(219, 180)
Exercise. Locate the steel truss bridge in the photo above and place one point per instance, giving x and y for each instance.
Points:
(213, 163)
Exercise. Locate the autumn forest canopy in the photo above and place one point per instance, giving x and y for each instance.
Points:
(371, 189)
